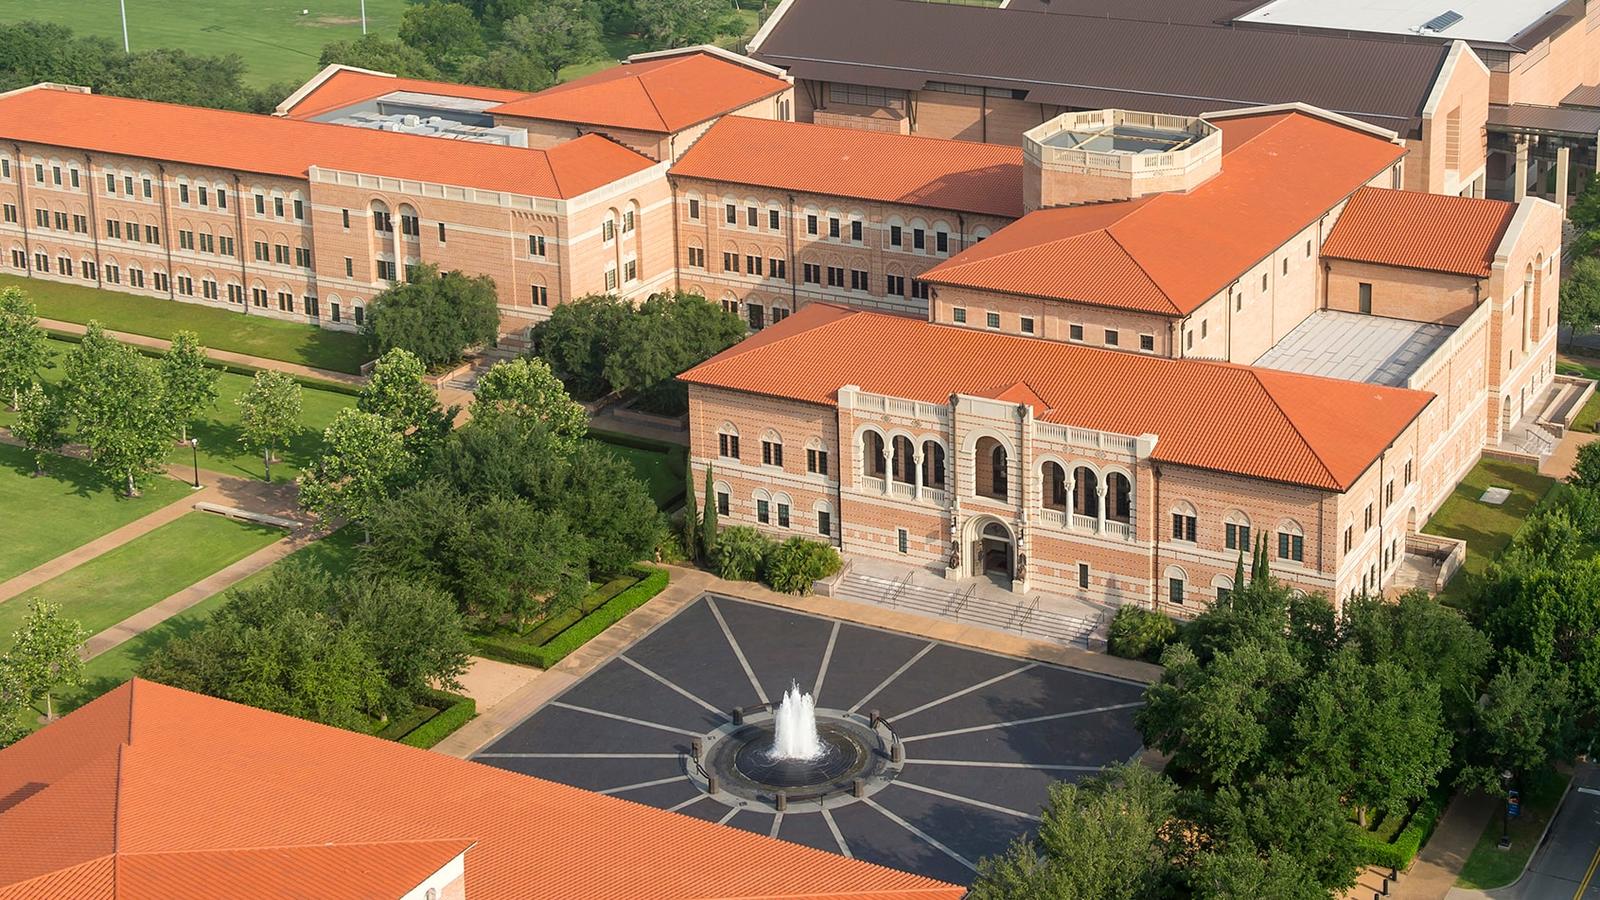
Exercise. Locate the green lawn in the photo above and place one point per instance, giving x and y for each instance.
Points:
(660, 466)
(219, 329)
(1486, 529)
(1489, 866)
(218, 431)
(1588, 417)
(117, 665)
(115, 585)
(65, 508)
(276, 41)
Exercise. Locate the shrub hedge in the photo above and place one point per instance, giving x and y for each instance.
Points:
(591, 625)
(1139, 633)
(592, 601)
(599, 610)
(796, 564)
(1398, 853)
(455, 711)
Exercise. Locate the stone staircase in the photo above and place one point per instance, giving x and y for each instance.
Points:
(1023, 617)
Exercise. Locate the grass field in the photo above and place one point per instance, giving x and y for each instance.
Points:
(276, 42)
(1486, 529)
(219, 329)
(660, 466)
(1489, 866)
(117, 665)
(65, 508)
(115, 585)
(218, 432)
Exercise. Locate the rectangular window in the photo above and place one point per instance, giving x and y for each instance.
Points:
(730, 262)
(919, 289)
(833, 227)
(752, 216)
(333, 311)
(1368, 518)
(1111, 337)
(222, 199)
(302, 257)
(959, 314)
(442, 238)
(783, 515)
(1349, 537)
(61, 225)
(991, 320)
(313, 307)
(114, 229)
(349, 267)
(919, 239)
(694, 208)
(752, 265)
(535, 244)
(88, 267)
(1364, 297)
(855, 231)
(811, 273)
(728, 446)
(1147, 343)
(111, 181)
(183, 193)
(55, 175)
(1236, 537)
(5, 167)
(630, 270)
(277, 209)
(763, 512)
(771, 453)
(1175, 591)
(902, 540)
(38, 173)
(824, 523)
(258, 297)
(778, 268)
(541, 295)
(132, 230)
(136, 277)
(774, 220)
(261, 209)
(1291, 546)
(280, 254)
(858, 280)
(730, 214)
(941, 241)
(41, 217)
(1408, 471)
(186, 285)
(723, 503)
(895, 236)
(836, 276)
(817, 461)
(386, 270)
(285, 302)
(697, 257)
(152, 234)
(11, 212)
(299, 209)
(1083, 576)
(41, 262)
(1027, 324)
(627, 221)
(811, 224)
(205, 196)
(894, 285)
(360, 315)
(161, 281)
(1183, 527)
(1074, 332)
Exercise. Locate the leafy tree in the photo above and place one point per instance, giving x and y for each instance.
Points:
(1524, 724)
(14, 707)
(398, 391)
(741, 553)
(357, 470)
(1107, 838)
(669, 334)
(44, 654)
(1289, 823)
(708, 520)
(190, 383)
(527, 388)
(1375, 731)
(579, 337)
(556, 32)
(1224, 719)
(1429, 640)
(1584, 214)
(40, 424)
(1139, 633)
(609, 505)
(507, 68)
(1580, 297)
(437, 317)
(380, 54)
(690, 525)
(269, 414)
(680, 23)
(1586, 470)
(119, 404)
(1549, 615)
(443, 32)
(23, 351)
(1239, 873)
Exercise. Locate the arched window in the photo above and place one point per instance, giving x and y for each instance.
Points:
(872, 464)
(1055, 487)
(410, 222)
(724, 497)
(781, 508)
(728, 441)
(824, 513)
(1177, 585)
(772, 449)
(1183, 522)
(1291, 541)
(1236, 531)
(991, 462)
(905, 460)
(1119, 498)
(933, 464)
(1086, 495)
(1223, 585)
(381, 221)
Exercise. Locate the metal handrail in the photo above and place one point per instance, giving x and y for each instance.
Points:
(962, 602)
(894, 593)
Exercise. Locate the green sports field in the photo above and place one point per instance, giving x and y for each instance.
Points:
(275, 40)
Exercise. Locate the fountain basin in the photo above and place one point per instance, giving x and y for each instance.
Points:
(742, 759)
(841, 757)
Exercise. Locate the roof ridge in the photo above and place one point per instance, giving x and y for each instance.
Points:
(1134, 259)
(654, 107)
(325, 845)
(1326, 470)
(951, 265)
(744, 347)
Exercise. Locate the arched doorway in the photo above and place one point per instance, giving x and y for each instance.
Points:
(996, 552)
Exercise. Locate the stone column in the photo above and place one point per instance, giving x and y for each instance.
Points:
(888, 466)
(1072, 494)
(1563, 162)
(1100, 515)
(1519, 189)
(916, 474)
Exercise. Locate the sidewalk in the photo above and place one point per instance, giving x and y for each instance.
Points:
(688, 584)
(218, 355)
(1434, 872)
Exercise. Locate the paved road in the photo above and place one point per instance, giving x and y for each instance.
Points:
(1565, 867)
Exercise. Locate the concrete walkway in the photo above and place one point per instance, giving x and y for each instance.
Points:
(1437, 866)
(227, 356)
(689, 584)
(1559, 463)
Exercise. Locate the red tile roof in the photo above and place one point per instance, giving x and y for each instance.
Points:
(1169, 253)
(172, 786)
(663, 94)
(345, 87)
(1261, 423)
(1420, 231)
(964, 176)
(272, 145)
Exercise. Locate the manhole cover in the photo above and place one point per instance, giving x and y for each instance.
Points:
(1495, 496)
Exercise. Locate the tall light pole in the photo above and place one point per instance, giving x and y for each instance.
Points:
(124, 5)
(363, 17)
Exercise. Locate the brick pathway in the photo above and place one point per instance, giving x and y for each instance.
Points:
(219, 355)
(1559, 464)
(687, 584)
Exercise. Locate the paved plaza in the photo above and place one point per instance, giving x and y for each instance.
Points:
(984, 734)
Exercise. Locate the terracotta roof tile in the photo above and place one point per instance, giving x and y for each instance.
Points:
(1260, 423)
(664, 94)
(346, 87)
(204, 776)
(327, 871)
(1169, 253)
(1420, 231)
(273, 145)
(963, 176)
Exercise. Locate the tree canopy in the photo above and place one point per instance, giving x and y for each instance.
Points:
(435, 316)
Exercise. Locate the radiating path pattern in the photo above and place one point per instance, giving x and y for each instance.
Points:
(985, 734)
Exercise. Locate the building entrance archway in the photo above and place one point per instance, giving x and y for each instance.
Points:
(996, 552)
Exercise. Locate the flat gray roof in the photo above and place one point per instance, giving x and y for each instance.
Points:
(1495, 21)
(1356, 347)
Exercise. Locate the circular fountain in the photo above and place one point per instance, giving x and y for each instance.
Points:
(798, 751)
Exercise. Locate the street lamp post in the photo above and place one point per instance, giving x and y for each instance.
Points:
(194, 451)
